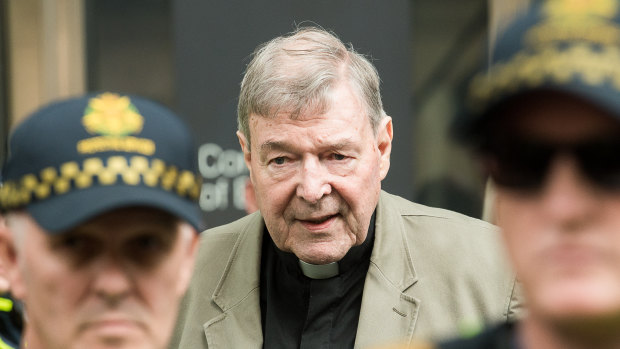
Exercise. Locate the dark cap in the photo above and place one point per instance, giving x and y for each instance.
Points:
(78, 158)
(568, 46)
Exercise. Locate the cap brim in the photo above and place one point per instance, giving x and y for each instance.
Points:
(64, 212)
(470, 127)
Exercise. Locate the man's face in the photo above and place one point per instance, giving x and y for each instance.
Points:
(564, 237)
(317, 177)
(113, 282)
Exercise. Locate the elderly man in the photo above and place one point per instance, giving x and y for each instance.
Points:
(547, 130)
(330, 260)
(99, 193)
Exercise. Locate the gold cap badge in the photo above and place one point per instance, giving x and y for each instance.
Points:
(112, 115)
(562, 8)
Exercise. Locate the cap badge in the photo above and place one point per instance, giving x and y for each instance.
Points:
(562, 8)
(114, 118)
(571, 20)
(112, 115)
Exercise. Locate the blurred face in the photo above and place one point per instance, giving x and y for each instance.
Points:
(563, 235)
(112, 282)
(317, 177)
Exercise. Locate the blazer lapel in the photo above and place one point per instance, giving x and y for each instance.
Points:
(387, 313)
(238, 294)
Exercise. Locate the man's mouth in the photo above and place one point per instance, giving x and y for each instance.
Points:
(119, 328)
(113, 325)
(318, 223)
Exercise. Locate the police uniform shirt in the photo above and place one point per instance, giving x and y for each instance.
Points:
(11, 322)
(301, 312)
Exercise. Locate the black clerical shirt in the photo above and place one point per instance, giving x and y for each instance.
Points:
(299, 312)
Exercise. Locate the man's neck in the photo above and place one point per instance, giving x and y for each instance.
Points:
(30, 339)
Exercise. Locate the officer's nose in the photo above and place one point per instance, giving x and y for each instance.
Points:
(112, 281)
(568, 199)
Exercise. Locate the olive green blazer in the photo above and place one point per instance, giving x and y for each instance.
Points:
(433, 273)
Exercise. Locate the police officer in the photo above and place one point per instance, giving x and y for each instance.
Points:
(545, 123)
(99, 195)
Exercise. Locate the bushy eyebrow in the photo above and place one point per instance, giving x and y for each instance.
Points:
(273, 145)
(287, 146)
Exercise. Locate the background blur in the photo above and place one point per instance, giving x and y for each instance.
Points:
(190, 56)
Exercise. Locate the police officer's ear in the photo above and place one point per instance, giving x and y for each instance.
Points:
(384, 144)
(8, 262)
(190, 244)
(4, 277)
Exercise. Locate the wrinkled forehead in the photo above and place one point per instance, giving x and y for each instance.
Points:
(301, 103)
(334, 97)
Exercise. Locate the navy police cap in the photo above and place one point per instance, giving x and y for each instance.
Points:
(78, 158)
(568, 46)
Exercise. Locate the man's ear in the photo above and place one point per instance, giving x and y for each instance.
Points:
(8, 259)
(245, 147)
(189, 258)
(384, 144)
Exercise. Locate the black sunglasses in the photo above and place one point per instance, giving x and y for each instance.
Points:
(523, 164)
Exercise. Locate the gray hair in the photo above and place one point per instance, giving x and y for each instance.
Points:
(294, 73)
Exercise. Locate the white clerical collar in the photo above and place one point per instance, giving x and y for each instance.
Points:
(319, 271)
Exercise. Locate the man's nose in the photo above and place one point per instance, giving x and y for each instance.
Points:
(568, 198)
(313, 180)
(112, 280)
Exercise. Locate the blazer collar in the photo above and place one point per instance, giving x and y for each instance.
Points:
(242, 273)
(387, 313)
(391, 252)
(238, 294)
